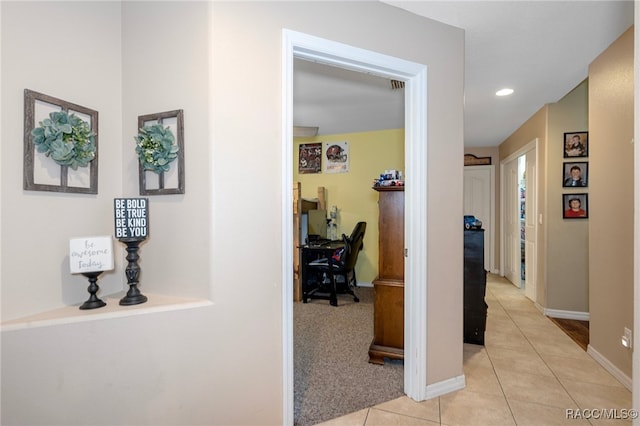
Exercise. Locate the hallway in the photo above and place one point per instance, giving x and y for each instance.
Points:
(528, 373)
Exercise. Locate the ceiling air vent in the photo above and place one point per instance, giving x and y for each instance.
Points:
(396, 84)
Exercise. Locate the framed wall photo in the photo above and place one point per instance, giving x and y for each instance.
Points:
(576, 144)
(575, 206)
(575, 175)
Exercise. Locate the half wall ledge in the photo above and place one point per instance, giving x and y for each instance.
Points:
(71, 314)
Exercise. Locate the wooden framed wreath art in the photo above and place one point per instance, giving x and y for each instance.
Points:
(60, 145)
(160, 152)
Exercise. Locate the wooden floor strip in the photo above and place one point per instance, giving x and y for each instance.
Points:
(576, 329)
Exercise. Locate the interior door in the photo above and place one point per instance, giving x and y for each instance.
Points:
(478, 201)
(530, 225)
(511, 222)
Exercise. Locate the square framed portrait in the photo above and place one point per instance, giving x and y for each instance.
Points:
(575, 175)
(575, 206)
(576, 144)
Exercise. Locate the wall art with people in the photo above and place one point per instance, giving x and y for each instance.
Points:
(576, 144)
(575, 206)
(575, 175)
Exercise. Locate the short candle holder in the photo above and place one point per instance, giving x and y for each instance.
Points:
(93, 302)
(133, 297)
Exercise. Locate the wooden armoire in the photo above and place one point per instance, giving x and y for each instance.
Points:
(388, 316)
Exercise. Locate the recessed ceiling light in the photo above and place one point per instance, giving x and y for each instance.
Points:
(504, 92)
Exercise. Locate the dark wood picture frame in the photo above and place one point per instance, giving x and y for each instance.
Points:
(33, 103)
(568, 213)
(161, 118)
(582, 175)
(473, 160)
(576, 144)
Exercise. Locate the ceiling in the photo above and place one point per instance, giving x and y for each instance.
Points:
(541, 49)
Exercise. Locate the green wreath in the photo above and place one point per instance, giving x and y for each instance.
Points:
(66, 138)
(156, 148)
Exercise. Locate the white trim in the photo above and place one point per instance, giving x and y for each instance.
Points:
(295, 44)
(492, 237)
(445, 387)
(528, 147)
(574, 315)
(492, 215)
(522, 151)
(415, 236)
(287, 229)
(608, 365)
(502, 233)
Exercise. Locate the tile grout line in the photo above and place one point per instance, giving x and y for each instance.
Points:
(515, 422)
(537, 353)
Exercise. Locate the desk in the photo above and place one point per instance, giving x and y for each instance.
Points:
(312, 285)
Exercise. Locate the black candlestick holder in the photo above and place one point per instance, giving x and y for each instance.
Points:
(132, 271)
(93, 301)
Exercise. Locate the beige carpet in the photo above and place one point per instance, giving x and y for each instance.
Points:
(332, 374)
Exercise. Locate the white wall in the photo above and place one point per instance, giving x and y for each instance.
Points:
(165, 61)
(218, 364)
(79, 63)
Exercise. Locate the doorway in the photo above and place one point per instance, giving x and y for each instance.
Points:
(318, 93)
(520, 218)
(416, 281)
(479, 201)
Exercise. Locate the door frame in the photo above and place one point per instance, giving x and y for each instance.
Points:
(492, 215)
(533, 145)
(299, 45)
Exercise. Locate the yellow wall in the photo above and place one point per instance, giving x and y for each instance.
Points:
(371, 153)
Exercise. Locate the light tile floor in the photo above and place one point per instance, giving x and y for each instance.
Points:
(529, 372)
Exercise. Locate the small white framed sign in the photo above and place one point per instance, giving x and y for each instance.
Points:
(91, 254)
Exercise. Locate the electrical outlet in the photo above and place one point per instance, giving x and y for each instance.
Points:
(627, 339)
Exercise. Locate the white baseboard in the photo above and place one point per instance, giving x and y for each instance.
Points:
(607, 365)
(574, 315)
(445, 386)
(364, 284)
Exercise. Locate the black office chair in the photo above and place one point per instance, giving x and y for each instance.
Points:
(358, 230)
(342, 266)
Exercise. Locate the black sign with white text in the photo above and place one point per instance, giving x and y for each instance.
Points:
(131, 218)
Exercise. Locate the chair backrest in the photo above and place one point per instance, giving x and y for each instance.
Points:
(359, 229)
(351, 250)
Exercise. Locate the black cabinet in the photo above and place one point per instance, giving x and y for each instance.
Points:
(475, 283)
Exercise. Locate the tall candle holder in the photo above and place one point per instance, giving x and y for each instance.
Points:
(132, 227)
(93, 301)
(132, 271)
